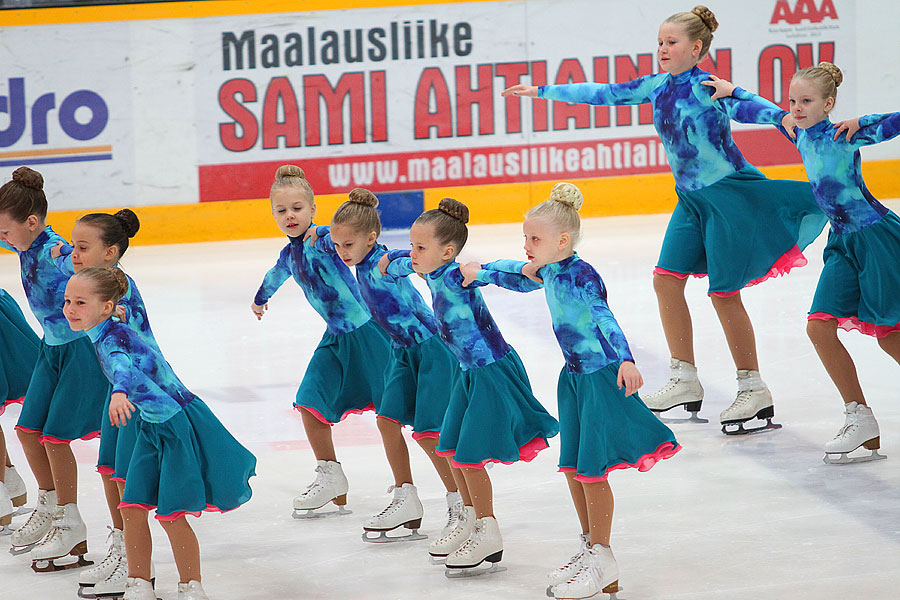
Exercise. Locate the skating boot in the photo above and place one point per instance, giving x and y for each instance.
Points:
(598, 573)
(67, 537)
(36, 527)
(16, 488)
(330, 486)
(860, 429)
(567, 571)
(115, 585)
(6, 510)
(192, 590)
(116, 553)
(139, 589)
(447, 544)
(682, 389)
(405, 510)
(484, 544)
(753, 401)
(455, 508)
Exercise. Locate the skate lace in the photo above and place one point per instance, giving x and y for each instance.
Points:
(112, 555)
(572, 562)
(36, 520)
(670, 385)
(393, 506)
(317, 483)
(849, 427)
(742, 398)
(453, 517)
(474, 539)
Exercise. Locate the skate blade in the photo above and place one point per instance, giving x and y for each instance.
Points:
(672, 421)
(22, 510)
(312, 514)
(17, 550)
(437, 560)
(50, 565)
(383, 538)
(85, 591)
(456, 573)
(4, 530)
(598, 596)
(741, 430)
(844, 459)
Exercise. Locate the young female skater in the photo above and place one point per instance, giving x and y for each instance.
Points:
(719, 193)
(329, 391)
(66, 393)
(493, 415)
(184, 460)
(421, 368)
(859, 285)
(604, 426)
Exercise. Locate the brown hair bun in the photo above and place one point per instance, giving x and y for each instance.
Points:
(707, 16)
(130, 222)
(364, 197)
(455, 209)
(28, 178)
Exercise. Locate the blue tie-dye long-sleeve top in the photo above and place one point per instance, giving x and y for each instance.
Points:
(45, 287)
(394, 302)
(326, 282)
(464, 321)
(139, 371)
(695, 130)
(588, 334)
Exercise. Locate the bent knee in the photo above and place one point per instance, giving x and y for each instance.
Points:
(819, 330)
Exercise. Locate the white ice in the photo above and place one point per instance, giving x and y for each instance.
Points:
(738, 518)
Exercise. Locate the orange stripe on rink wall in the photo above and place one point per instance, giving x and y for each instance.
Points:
(51, 151)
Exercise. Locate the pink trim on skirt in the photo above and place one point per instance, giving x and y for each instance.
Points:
(117, 479)
(6, 403)
(106, 470)
(175, 515)
(644, 463)
(318, 415)
(49, 439)
(421, 435)
(527, 453)
(661, 271)
(27, 429)
(854, 324)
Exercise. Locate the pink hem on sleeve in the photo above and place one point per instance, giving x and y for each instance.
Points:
(854, 324)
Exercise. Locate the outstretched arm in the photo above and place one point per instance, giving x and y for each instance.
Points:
(876, 128)
(506, 274)
(273, 280)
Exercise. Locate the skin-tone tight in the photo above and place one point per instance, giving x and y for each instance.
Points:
(475, 489)
(398, 455)
(53, 466)
(594, 506)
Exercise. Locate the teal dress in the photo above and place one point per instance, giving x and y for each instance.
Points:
(18, 352)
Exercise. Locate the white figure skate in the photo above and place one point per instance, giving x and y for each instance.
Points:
(330, 485)
(860, 430)
(483, 545)
(405, 510)
(598, 574)
(447, 544)
(6, 510)
(139, 589)
(67, 537)
(455, 508)
(567, 571)
(192, 590)
(682, 389)
(36, 527)
(753, 401)
(102, 570)
(17, 491)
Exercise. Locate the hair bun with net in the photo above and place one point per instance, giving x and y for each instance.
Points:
(129, 220)
(832, 70)
(455, 209)
(707, 16)
(568, 194)
(28, 178)
(364, 197)
(286, 171)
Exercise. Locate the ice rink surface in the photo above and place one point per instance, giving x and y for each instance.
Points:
(756, 517)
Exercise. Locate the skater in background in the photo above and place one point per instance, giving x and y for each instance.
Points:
(493, 415)
(859, 288)
(184, 460)
(65, 397)
(730, 224)
(330, 390)
(420, 372)
(18, 352)
(100, 240)
(604, 426)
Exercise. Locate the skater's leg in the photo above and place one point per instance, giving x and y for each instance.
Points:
(675, 316)
(738, 330)
(479, 484)
(579, 500)
(4, 457)
(599, 498)
(443, 468)
(37, 459)
(185, 548)
(138, 543)
(113, 497)
(395, 449)
(65, 472)
(460, 480)
(319, 436)
(891, 344)
(836, 359)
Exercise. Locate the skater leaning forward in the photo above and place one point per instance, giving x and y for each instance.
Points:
(493, 415)
(420, 370)
(329, 391)
(604, 426)
(859, 288)
(65, 396)
(731, 224)
(184, 460)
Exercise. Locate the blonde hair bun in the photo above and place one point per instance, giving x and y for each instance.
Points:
(455, 209)
(707, 16)
(287, 171)
(364, 197)
(29, 178)
(832, 70)
(568, 194)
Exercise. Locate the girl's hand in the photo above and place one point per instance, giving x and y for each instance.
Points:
(258, 310)
(789, 124)
(520, 89)
(120, 409)
(723, 87)
(630, 377)
(469, 272)
(311, 235)
(530, 271)
(120, 313)
(383, 264)
(54, 251)
(851, 126)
